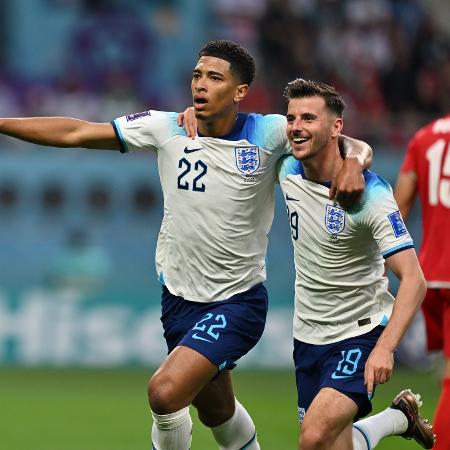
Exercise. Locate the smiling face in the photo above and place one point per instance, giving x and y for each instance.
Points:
(311, 126)
(215, 90)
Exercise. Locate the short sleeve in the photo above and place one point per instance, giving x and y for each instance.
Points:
(381, 214)
(146, 130)
(271, 134)
(288, 165)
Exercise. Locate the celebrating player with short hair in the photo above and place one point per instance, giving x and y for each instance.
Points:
(346, 323)
(424, 172)
(218, 208)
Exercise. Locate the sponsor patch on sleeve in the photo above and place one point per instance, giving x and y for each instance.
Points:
(397, 224)
(135, 116)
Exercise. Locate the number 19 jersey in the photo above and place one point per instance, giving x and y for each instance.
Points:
(218, 200)
(428, 156)
(340, 286)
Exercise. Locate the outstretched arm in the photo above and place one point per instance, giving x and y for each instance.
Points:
(405, 192)
(348, 185)
(410, 295)
(61, 132)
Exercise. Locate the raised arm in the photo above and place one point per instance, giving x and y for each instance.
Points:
(405, 192)
(356, 150)
(410, 295)
(61, 132)
(348, 185)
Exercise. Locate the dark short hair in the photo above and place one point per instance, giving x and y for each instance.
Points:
(299, 88)
(242, 64)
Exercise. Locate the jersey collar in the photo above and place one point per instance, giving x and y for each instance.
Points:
(235, 134)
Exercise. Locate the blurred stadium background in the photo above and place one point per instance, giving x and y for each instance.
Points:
(79, 299)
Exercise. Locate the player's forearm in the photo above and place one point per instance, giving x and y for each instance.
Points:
(357, 150)
(53, 131)
(409, 297)
(60, 132)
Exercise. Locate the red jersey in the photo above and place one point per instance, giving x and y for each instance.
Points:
(428, 156)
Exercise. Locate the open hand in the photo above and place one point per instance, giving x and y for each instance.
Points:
(378, 368)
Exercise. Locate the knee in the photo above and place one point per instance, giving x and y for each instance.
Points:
(312, 439)
(162, 395)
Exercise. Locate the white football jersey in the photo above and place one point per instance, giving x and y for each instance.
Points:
(218, 200)
(340, 287)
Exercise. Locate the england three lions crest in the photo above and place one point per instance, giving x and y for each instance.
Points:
(334, 219)
(247, 159)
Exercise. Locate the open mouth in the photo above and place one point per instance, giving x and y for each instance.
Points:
(199, 102)
(300, 139)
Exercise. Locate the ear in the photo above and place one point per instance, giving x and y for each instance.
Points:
(241, 92)
(337, 126)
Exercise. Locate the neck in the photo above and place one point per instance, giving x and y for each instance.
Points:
(217, 126)
(325, 165)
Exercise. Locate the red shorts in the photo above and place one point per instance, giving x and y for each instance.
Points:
(436, 309)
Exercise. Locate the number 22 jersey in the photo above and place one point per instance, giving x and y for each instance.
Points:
(218, 200)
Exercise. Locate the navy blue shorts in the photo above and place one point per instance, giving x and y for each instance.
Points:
(222, 331)
(339, 365)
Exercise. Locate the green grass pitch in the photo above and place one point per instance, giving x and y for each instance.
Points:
(107, 409)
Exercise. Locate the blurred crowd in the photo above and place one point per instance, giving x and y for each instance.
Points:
(389, 58)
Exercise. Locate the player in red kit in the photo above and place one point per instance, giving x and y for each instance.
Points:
(426, 172)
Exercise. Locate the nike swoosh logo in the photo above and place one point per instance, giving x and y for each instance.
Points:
(338, 377)
(291, 198)
(196, 336)
(192, 150)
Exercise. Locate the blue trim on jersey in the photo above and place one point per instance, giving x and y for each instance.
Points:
(384, 321)
(253, 439)
(302, 173)
(369, 445)
(370, 177)
(297, 168)
(239, 130)
(397, 249)
(119, 136)
(366, 174)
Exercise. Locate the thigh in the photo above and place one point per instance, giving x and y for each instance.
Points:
(215, 402)
(445, 293)
(328, 419)
(182, 375)
(229, 328)
(307, 375)
(433, 311)
(222, 331)
(344, 366)
(339, 366)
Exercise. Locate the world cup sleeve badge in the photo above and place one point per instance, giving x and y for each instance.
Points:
(397, 224)
(334, 219)
(138, 115)
(247, 159)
